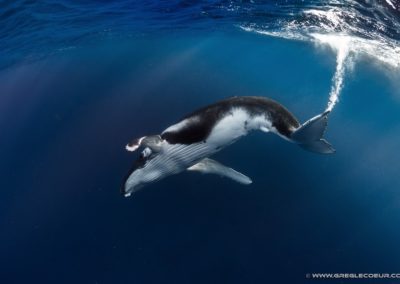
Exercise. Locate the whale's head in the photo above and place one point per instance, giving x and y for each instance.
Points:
(147, 168)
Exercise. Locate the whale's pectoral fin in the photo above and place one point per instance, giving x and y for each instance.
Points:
(209, 166)
(153, 142)
(134, 144)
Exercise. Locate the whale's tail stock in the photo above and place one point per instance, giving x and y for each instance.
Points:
(310, 135)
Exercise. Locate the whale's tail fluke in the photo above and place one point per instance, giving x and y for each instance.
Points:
(310, 135)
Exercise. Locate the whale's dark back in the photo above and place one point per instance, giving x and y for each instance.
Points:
(199, 129)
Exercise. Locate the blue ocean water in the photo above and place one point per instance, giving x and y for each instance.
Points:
(80, 79)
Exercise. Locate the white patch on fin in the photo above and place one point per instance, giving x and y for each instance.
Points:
(134, 145)
(209, 166)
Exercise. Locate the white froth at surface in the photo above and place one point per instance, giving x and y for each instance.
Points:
(335, 28)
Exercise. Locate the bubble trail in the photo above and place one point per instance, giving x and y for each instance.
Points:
(341, 44)
(338, 78)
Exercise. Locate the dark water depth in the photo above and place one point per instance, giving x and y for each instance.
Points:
(66, 115)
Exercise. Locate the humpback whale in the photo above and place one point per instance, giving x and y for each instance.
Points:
(188, 144)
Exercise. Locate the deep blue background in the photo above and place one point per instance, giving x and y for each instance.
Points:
(64, 121)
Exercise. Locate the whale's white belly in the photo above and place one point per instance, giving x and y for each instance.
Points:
(235, 125)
